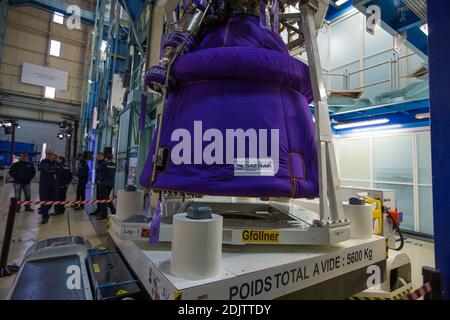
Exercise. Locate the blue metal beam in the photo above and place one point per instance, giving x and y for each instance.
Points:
(135, 7)
(335, 12)
(439, 47)
(406, 106)
(395, 18)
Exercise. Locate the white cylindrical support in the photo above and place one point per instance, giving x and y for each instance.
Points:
(196, 247)
(361, 220)
(129, 203)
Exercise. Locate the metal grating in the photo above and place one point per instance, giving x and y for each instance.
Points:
(419, 7)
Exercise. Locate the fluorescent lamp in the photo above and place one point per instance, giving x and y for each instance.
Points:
(424, 28)
(393, 126)
(360, 124)
(340, 2)
(421, 116)
(104, 46)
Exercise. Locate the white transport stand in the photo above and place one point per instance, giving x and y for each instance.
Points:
(254, 271)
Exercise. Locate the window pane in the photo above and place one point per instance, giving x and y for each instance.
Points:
(379, 41)
(393, 159)
(354, 162)
(58, 17)
(377, 74)
(426, 210)
(50, 92)
(404, 197)
(345, 43)
(356, 184)
(55, 48)
(424, 157)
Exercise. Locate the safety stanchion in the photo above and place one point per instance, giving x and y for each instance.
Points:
(67, 202)
(5, 270)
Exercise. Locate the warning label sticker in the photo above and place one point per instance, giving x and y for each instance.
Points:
(121, 292)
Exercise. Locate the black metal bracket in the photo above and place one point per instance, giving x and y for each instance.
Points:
(433, 276)
(5, 270)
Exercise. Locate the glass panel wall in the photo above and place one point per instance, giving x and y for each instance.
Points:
(398, 161)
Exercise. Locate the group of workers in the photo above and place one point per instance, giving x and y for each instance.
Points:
(55, 178)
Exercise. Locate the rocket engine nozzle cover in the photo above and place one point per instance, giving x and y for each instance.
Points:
(239, 82)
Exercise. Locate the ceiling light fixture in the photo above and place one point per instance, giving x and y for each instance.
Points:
(424, 28)
(340, 2)
(393, 126)
(360, 124)
(421, 116)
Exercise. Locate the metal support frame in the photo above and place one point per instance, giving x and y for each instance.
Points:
(439, 45)
(5, 270)
(329, 184)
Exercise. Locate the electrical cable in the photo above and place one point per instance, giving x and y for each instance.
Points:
(397, 228)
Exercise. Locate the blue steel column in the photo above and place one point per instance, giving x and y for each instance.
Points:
(439, 48)
(92, 145)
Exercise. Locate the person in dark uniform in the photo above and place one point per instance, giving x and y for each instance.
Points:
(23, 172)
(64, 178)
(47, 183)
(100, 160)
(107, 174)
(83, 176)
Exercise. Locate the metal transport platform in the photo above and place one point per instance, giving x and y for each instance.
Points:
(261, 271)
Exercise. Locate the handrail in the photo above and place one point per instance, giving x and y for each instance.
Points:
(370, 67)
(374, 84)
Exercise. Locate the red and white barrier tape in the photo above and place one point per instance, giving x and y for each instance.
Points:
(29, 203)
(426, 288)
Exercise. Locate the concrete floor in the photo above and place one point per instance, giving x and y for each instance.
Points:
(28, 229)
(421, 253)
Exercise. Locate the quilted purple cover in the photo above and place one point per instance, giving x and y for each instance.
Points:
(241, 76)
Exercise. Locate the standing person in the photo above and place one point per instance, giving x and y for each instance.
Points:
(47, 183)
(23, 172)
(64, 178)
(83, 176)
(107, 174)
(100, 160)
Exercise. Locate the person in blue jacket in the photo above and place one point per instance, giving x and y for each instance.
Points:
(23, 172)
(106, 179)
(83, 176)
(64, 178)
(47, 183)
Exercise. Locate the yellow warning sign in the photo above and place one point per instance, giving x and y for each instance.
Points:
(261, 236)
(177, 295)
(96, 268)
(121, 292)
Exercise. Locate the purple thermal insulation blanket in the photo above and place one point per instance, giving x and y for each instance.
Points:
(239, 77)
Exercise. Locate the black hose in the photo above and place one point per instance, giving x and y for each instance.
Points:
(397, 228)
